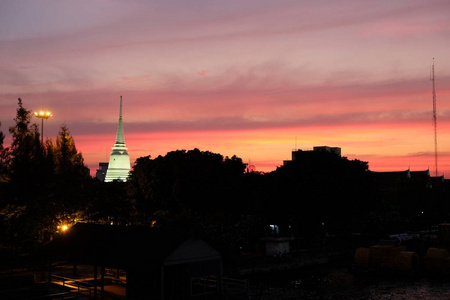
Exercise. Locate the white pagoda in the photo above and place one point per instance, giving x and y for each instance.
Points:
(119, 161)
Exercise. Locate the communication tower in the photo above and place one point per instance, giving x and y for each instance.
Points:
(434, 121)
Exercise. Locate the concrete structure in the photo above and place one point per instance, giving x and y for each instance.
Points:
(101, 171)
(119, 161)
(277, 241)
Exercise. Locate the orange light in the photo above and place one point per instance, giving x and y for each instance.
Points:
(43, 114)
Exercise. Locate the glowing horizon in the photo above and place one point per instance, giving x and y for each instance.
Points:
(251, 79)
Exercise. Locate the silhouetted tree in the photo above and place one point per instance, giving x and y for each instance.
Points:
(66, 157)
(193, 180)
(141, 186)
(49, 184)
(2, 138)
(319, 188)
(4, 159)
(27, 154)
(200, 190)
(110, 203)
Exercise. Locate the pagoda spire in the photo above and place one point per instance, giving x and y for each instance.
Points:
(119, 160)
(120, 139)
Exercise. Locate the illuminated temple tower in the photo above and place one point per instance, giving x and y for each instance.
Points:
(119, 161)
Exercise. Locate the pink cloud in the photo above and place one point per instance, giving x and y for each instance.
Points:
(203, 72)
(281, 71)
(397, 28)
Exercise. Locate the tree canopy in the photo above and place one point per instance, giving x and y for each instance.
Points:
(201, 181)
(26, 152)
(320, 187)
(67, 159)
(42, 185)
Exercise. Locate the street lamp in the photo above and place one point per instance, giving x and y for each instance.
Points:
(43, 115)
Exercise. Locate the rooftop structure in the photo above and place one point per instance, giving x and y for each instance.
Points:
(298, 153)
(335, 150)
(101, 171)
(119, 161)
(398, 180)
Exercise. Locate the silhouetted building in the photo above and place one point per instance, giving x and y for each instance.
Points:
(299, 154)
(438, 182)
(277, 240)
(397, 181)
(119, 161)
(101, 171)
(335, 150)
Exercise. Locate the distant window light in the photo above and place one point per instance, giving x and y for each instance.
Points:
(274, 230)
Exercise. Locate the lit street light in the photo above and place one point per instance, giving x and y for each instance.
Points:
(43, 115)
(62, 228)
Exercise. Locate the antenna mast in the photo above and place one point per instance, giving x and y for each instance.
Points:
(434, 121)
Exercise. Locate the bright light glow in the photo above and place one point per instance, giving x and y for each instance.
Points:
(43, 114)
(64, 228)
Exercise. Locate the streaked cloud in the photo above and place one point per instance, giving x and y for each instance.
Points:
(236, 77)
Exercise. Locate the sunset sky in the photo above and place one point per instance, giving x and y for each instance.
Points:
(252, 78)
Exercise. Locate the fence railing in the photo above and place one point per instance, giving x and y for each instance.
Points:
(82, 287)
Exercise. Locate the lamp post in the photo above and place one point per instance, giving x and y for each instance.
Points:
(43, 115)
